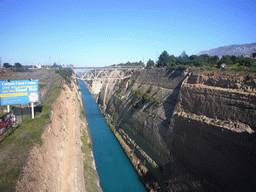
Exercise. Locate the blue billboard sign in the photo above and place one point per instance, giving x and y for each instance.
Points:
(18, 92)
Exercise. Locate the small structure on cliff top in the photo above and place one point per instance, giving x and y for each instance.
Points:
(224, 66)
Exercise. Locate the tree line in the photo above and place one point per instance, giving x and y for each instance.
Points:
(128, 63)
(166, 60)
(17, 67)
(183, 60)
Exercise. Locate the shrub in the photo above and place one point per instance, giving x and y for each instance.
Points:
(146, 97)
(149, 89)
(156, 100)
(136, 93)
(120, 94)
(134, 104)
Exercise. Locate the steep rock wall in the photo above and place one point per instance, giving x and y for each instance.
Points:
(214, 128)
(198, 131)
(147, 122)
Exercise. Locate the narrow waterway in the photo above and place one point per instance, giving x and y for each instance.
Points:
(114, 168)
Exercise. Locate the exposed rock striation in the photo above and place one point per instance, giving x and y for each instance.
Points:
(215, 128)
(195, 131)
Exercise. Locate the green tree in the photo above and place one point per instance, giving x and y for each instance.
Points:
(204, 59)
(185, 58)
(172, 60)
(194, 60)
(215, 59)
(54, 65)
(150, 63)
(246, 61)
(179, 60)
(233, 59)
(193, 57)
(18, 65)
(163, 59)
(7, 65)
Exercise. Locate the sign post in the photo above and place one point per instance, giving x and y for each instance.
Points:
(18, 92)
(32, 111)
(33, 97)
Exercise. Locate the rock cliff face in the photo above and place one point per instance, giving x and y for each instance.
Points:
(62, 162)
(195, 131)
(94, 86)
(215, 128)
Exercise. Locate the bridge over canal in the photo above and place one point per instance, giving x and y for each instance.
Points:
(104, 73)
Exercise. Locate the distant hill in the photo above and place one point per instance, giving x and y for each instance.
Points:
(237, 50)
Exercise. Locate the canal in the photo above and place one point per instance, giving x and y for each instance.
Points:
(113, 166)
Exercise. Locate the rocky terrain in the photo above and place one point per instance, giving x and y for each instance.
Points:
(58, 163)
(238, 50)
(193, 130)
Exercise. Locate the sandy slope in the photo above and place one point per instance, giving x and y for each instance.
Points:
(57, 165)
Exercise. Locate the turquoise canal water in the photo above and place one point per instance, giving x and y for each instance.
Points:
(114, 168)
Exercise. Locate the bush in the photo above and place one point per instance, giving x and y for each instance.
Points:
(146, 97)
(156, 100)
(149, 89)
(134, 104)
(136, 93)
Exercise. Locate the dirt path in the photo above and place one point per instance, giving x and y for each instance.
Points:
(57, 164)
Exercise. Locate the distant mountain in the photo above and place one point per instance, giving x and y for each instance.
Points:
(237, 50)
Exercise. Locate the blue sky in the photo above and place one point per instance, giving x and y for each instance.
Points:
(100, 33)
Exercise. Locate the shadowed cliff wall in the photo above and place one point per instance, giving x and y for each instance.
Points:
(199, 129)
(214, 128)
